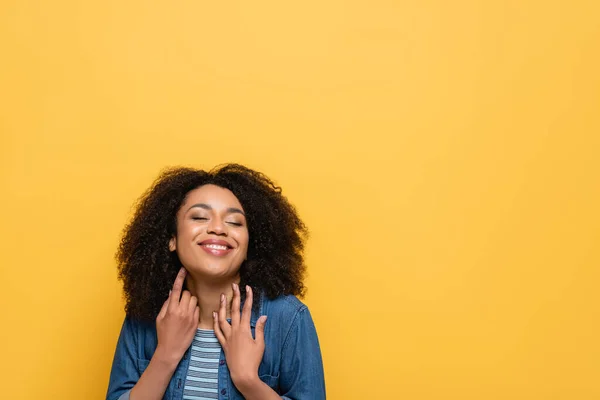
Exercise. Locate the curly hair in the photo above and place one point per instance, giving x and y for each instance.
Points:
(275, 260)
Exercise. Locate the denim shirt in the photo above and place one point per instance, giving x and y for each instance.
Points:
(291, 364)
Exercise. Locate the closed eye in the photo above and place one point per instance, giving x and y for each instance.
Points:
(235, 223)
(199, 218)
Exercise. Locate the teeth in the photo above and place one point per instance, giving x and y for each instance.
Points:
(216, 246)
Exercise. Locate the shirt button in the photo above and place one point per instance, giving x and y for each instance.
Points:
(221, 362)
(223, 392)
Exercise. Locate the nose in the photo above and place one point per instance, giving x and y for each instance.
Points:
(217, 227)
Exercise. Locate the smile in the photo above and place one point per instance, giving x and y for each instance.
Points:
(218, 248)
(215, 246)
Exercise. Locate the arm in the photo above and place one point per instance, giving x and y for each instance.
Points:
(302, 369)
(125, 380)
(258, 390)
(302, 375)
(154, 381)
(242, 352)
(124, 373)
(176, 325)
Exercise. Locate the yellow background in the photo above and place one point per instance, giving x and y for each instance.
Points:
(445, 155)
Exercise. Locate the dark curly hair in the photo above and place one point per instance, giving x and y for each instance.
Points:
(275, 261)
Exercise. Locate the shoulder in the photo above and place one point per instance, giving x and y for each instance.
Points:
(289, 325)
(285, 313)
(135, 324)
(282, 306)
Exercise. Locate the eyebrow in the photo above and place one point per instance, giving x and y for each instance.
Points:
(230, 210)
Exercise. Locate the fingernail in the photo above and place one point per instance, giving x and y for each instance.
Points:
(222, 297)
(234, 286)
(247, 288)
(170, 292)
(214, 315)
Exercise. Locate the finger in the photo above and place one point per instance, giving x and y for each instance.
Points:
(177, 288)
(163, 309)
(217, 329)
(197, 314)
(260, 330)
(185, 299)
(247, 311)
(193, 304)
(235, 306)
(222, 315)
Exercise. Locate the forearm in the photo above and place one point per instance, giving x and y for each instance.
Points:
(154, 381)
(257, 390)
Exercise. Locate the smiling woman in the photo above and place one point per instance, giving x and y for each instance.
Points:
(211, 219)
(207, 257)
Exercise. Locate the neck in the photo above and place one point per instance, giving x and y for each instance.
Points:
(208, 293)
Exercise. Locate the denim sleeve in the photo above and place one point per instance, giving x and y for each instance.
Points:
(124, 373)
(301, 375)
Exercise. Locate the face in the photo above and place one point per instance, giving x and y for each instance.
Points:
(212, 235)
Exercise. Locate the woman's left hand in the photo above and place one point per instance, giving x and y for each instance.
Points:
(242, 352)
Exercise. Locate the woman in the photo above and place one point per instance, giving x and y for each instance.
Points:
(207, 257)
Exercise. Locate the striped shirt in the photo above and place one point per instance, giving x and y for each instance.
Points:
(202, 380)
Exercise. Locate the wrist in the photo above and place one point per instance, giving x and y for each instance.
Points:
(166, 359)
(247, 384)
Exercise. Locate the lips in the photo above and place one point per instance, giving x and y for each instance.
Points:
(216, 247)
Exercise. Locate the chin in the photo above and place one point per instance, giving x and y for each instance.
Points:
(213, 271)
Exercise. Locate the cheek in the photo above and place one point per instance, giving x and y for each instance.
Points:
(188, 231)
(242, 239)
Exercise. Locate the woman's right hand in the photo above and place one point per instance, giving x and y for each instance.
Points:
(176, 326)
(177, 322)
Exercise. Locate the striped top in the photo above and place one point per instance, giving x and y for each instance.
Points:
(202, 380)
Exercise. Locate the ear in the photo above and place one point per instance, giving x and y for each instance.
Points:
(173, 244)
